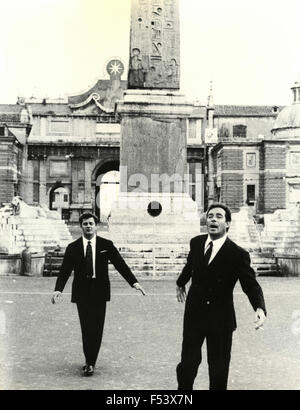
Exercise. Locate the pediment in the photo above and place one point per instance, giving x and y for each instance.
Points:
(100, 98)
(92, 105)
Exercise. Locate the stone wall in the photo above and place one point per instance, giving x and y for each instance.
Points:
(232, 159)
(232, 190)
(273, 191)
(273, 184)
(8, 170)
(274, 156)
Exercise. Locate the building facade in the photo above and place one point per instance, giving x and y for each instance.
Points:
(241, 157)
(74, 147)
(66, 153)
(15, 127)
(256, 159)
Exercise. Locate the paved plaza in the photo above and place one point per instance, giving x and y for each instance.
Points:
(40, 343)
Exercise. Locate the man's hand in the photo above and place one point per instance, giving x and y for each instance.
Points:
(137, 286)
(181, 295)
(259, 318)
(56, 296)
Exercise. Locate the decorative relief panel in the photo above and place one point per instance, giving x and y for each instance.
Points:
(251, 159)
(295, 160)
(58, 168)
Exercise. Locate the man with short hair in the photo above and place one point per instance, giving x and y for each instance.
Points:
(214, 264)
(88, 256)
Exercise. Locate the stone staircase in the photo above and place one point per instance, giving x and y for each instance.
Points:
(157, 262)
(12, 239)
(244, 230)
(145, 260)
(281, 234)
(38, 234)
(264, 264)
(42, 234)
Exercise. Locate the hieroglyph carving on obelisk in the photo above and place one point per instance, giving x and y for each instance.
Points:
(154, 45)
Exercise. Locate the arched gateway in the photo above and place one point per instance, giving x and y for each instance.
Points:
(105, 179)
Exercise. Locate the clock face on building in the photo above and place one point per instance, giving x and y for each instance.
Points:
(115, 68)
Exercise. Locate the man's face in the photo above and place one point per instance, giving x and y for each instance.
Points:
(216, 223)
(88, 227)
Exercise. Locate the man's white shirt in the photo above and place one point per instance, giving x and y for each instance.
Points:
(93, 245)
(217, 245)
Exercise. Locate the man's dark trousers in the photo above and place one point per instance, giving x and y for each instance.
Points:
(92, 317)
(218, 354)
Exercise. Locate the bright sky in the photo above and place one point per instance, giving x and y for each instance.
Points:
(249, 49)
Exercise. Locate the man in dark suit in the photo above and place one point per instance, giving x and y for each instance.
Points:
(214, 264)
(88, 256)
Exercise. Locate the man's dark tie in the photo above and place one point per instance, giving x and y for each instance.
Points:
(89, 260)
(207, 254)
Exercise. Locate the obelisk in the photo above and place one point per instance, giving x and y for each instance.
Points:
(154, 60)
(153, 205)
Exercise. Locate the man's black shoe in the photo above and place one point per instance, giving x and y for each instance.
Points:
(88, 370)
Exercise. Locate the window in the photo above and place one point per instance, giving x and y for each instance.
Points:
(194, 131)
(65, 214)
(239, 131)
(36, 192)
(218, 194)
(250, 194)
(59, 198)
(295, 94)
(195, 182)
(36, 170)
(223, 132)
(104, 119)
(2, 131)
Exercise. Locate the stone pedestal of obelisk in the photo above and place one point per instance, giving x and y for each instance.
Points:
(154, 205)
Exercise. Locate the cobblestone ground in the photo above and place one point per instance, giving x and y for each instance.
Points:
(40, 343)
